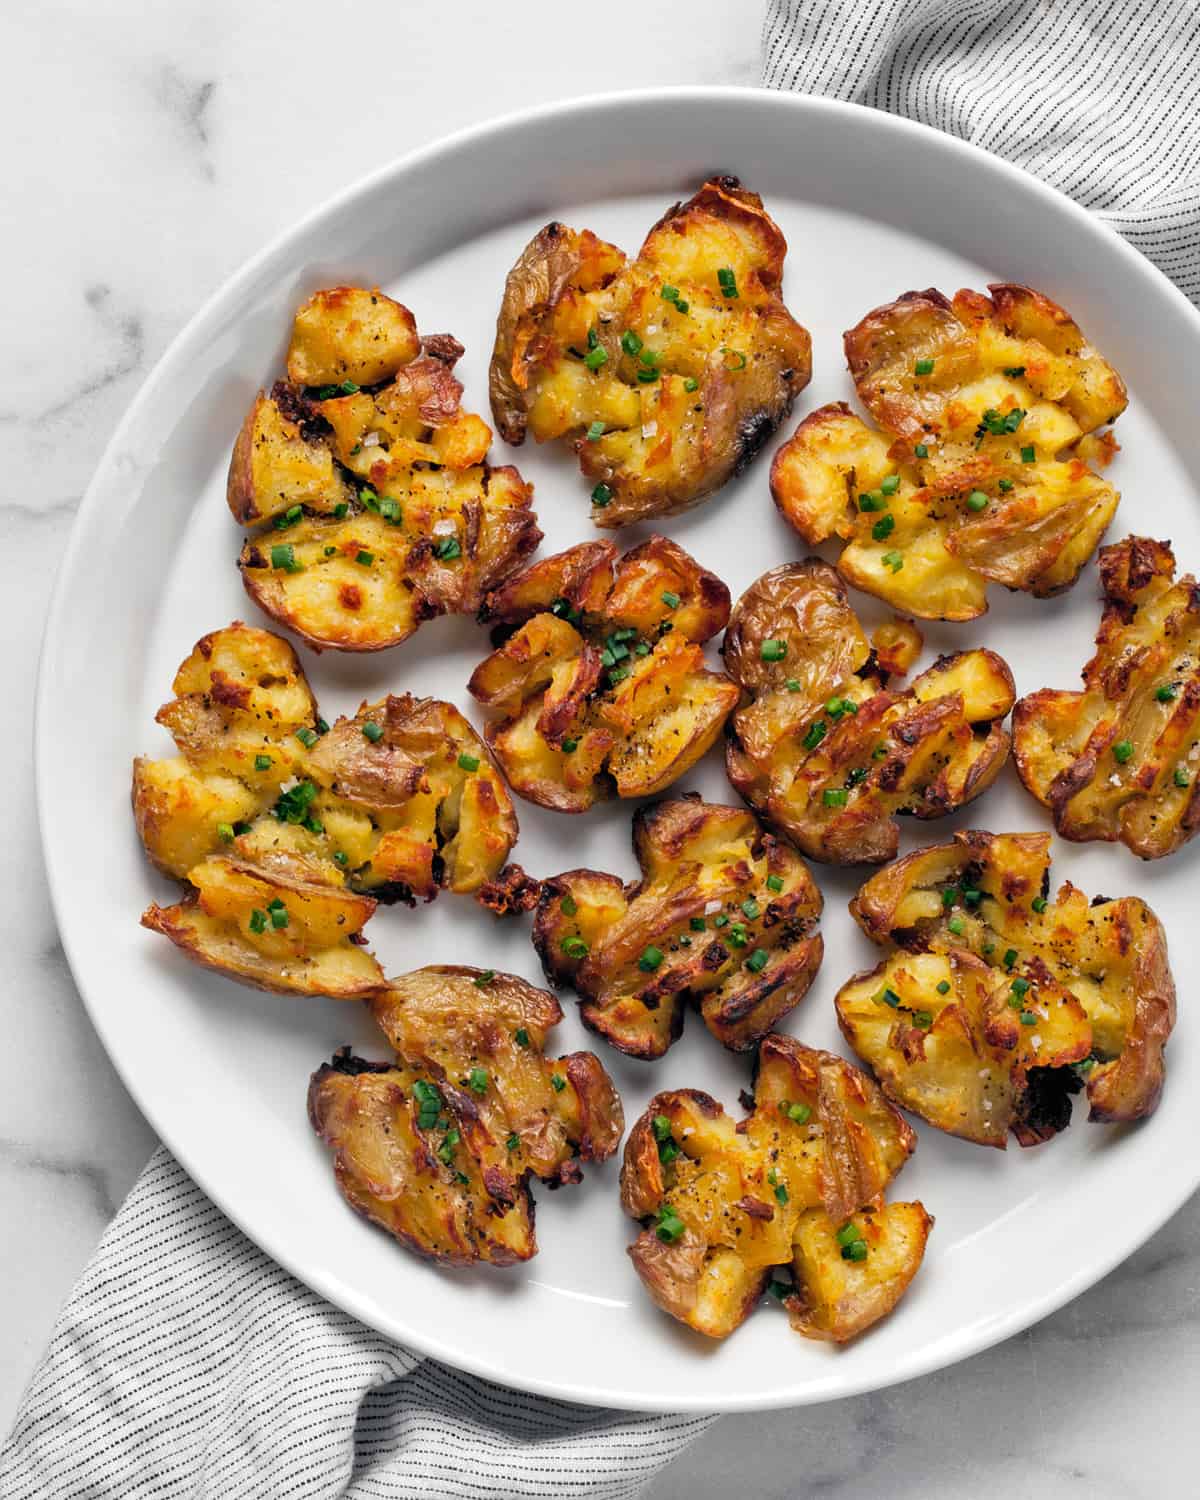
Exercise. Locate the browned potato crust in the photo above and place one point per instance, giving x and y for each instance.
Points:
(1120, 759)
(824, 749)
(724, 916)
(602, 686)
(439, 1148)
(669, 372)
(369, 484)
(400, 801)
(997, 1005)
(1002, 396)
(795, 1184)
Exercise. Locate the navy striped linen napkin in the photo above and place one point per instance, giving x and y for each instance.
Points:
(186, 1363)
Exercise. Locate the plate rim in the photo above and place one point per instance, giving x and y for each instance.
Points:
(934, 1356)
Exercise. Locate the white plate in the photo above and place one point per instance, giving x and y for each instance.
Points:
(871, 206)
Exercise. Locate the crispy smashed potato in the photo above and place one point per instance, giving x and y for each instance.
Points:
(368, 484)
(823, 748)
(601, 685)
(669, 372)
(724, 916)
(281, 824)
(987, 411)
(997, 1004)
(1120, 759)
(798, 1184)
(438, 1147)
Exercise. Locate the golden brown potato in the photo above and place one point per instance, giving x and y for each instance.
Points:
(986, 411)
(997, 1005)
(375, 506)
(438, 1148)
(670, 372)
(824, 749)
(602, 686)
(798, 1184)
(1120, 759)
(400, 801)
(724, 916)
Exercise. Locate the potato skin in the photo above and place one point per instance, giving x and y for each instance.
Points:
(817, 1150)
(399, 801)
(692, 384)
(700, 863)
(457, 1190)
(989, 1026)
(823, 749)
(1065, 742)
(1006, 418)
(369, 485)
(602, 686)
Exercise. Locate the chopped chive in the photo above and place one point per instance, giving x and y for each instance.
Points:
(512, 1142)
(957, 926)
(834, 796)
(1166, 693)
(557, 1082)
(225, 832)
(773, 650)
(364, 558)
(570, 746)
(869, 500)
(1029, 454)
(468, 762)
(258, 920)
(943, 987)
(691, 383)
(669, 293)
(477, 1082)
(892, 560)
(1010, 957)
(650, 959)
(972, 897)
(1005, 485)
(595, 432)
(1038, 903)
(757, 960)
(341, 857)
(856, 1251)
(781, 1193)
(279, 916)
(888, 997)
(372, 731)
(390, 511)
(921, 451)
(856, 775)
(262, 762)
(521, 1037)
(307, 737)
(727, 281)
(647, 374)
(671, 600)
(630, 342)
(574, 947)
(485, 978)
(283, 556)
(815, 735)
(1123, 751)
(792, 684)
(977, 500)
(661, 1127)
(775, 883)
(601, 495)
(668, 1226)
(448, 548)
(1019, 986)
(696, 924)
(950, 895)
(799, 1114)
(751, 908)
(596, 357)
(922, 1019)
(923, 367)
(883, 528)
(314, 825)
(1181, 777)
(738, 935)
(890, 484)
(1028, 1018)
(721, 920)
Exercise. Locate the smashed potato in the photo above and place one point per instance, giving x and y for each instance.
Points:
(1120, 759)
(601, 685)
(724, 916)
(824, 749)
(799, 1184)
(987, 411)
(669, 372)
(438, 1147)
(997, 1004)
(281, 824)
(368, 484)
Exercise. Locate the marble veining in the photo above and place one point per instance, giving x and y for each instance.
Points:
(148, 153)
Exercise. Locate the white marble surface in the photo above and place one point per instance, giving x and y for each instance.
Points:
(150, 149)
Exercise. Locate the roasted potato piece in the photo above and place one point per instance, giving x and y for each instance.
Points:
(369, 484)
(271, 930)
(997, 1004)
(438, 1149)
(669, 372)
(724, 915)
(602, 685)
(986, 410)
(401, 801)
(1120, 759)
(797, 1184)
(828, 753)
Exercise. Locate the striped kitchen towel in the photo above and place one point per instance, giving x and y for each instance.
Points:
(1093, 96)
(187, 1363)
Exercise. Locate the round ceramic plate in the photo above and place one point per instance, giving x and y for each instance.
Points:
(871, 206)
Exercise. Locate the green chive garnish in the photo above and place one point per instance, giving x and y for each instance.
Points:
(468, 762)
(650, 959)
(373, 731)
